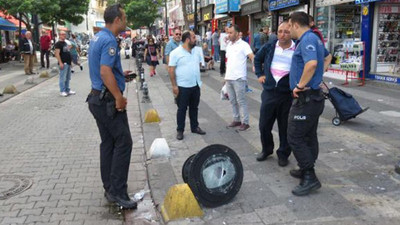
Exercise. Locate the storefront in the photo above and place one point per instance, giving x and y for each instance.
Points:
(385, 57)
(258, 14)
(227, 12)
(283, 8)
(207, 14)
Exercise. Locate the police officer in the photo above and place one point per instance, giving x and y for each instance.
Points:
(107, 105)
(305, 78)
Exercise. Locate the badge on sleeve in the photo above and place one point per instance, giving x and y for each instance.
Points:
(111, 51)
(310, 48)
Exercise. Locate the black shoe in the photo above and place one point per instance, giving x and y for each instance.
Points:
(263, 156)
(72, 71)
(309, 183)
(109, 197)
(198, 130)
(396, 167)
(296, 173)
(124, 201)
(81, 67)
(283, 161)
(179, 135)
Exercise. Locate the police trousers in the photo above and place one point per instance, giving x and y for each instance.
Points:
(274, 106)
(302, 127)
(116, 144)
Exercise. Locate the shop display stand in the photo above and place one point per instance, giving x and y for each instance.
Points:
(354, 75)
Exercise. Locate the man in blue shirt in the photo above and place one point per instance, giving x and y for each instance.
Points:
(173, 43)
(107, 105)
(305, 78)
(257, 41)
(184, 72)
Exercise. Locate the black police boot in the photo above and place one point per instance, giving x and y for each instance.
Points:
(123, 200)
(263, 156)
(296, 173)
(309, 183)
(109, 197)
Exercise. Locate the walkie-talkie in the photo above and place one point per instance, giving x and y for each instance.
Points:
(103, 92)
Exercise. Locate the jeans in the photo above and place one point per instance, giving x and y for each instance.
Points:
(188, 97)
(237, 96)
(222, 66)
(42, 54)
(115, 147)
(275, 105)
(65, 77)
(216, 52)
(302, 127)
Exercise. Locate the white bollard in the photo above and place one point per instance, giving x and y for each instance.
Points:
(159, 148)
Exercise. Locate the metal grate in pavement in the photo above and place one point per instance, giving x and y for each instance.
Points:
(12, 185)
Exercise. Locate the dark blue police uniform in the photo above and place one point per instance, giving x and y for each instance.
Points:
(116, 142)
(307, 108)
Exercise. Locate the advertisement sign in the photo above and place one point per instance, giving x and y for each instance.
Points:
(280, 4)
(252, 7)
(234, 5)
(221, 6)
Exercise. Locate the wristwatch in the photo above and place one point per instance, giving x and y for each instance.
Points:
(297, 86)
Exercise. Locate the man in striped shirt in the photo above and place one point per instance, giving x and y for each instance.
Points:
(272, 66)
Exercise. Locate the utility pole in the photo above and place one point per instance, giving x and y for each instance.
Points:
(195, 15)
(166, 19)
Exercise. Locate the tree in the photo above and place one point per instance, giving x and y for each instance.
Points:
(140, 13)
(185, 18)
(50, 11)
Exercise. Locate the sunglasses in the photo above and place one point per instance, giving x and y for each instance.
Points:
(178, 34)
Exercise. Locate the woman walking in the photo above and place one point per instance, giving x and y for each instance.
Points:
(151, 53)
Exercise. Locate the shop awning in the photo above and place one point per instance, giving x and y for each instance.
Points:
(280, 4)
(7, 25)
(13, 20)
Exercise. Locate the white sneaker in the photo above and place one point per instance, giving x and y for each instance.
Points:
(71, 92)
(64, 94)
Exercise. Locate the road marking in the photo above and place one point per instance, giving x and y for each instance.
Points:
(390, 113)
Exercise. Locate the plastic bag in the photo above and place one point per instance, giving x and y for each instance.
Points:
(224, 93)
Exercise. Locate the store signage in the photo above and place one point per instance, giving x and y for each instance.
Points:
(280, 4)
(320, 3)
(384, 78)
(207, 13)
(252, 7)
(224, 6)
(365, 1)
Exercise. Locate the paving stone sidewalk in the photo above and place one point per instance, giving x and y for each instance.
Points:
(54, 141)
(354, 166)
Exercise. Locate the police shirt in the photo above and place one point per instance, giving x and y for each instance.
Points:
(104, 50)
(309, 47)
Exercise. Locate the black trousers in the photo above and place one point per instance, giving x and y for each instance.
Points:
(42, 54)
(274, 106)
(302, 127)
(188, 97)
(115, 147)
(222, 67)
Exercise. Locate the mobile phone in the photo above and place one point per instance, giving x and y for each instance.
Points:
(131, 75)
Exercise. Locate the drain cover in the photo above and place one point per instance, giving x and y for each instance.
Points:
(12, 185)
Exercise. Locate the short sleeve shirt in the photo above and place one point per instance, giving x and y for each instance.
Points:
(104, 51)
(236, 54)
(187, 66)
(171, 46)
(65, 55)
(309, 47)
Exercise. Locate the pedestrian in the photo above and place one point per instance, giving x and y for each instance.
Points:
(272, 66)
(264, 35)
(45, 44)
(208, 38)
(163, 46)
(314, 28)
(223, 40)
(63, 55)
(75, 52)
(173, 43)
(305, 78)
(272, 36)
(257, 41)
(184, 71)
(215, 43)
(207, 57)
(237, 52)
(107, 105)
(28, 51)
(151, 55)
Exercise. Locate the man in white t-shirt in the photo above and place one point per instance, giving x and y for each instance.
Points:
(237, 52)
(208, 36)
(223, 40)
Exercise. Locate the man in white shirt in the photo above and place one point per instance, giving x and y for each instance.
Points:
(223, 40)
(237, 52)
(208, 35)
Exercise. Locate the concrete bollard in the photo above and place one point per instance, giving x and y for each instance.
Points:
(44, 74)
(30, 80)
(54, 70)
(159, 148)
(152, 116)
(145, 97)
(10, 89)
